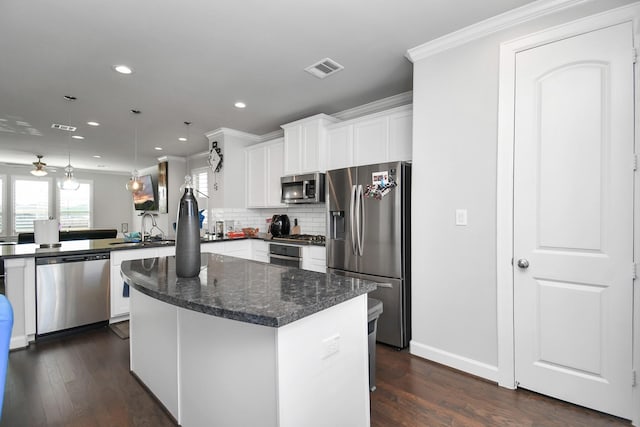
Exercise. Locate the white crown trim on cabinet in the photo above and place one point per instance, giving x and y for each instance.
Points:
(489, 26)
(405, 98)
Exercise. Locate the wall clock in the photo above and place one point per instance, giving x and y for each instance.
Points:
(215, 157)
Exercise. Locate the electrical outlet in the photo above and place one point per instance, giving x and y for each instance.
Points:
(124, 227)
(330, 346)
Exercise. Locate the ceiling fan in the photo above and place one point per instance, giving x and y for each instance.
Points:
(39, 167)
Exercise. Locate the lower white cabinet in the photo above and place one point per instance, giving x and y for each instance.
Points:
(236, 248)
(119, 292)
(314, 258)
(260, 250)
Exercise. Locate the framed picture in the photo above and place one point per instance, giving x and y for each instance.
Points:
(163, 195)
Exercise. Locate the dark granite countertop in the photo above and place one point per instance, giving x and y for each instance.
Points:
(243, 290)
(74, 247)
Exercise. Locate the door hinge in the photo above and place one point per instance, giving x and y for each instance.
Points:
(635, 162)
(634, 269)
(633, 379)
(634, 54)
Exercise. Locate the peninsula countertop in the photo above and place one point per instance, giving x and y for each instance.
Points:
(243, 290)
(74, 247)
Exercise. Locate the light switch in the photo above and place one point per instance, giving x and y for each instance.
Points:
(461, 217)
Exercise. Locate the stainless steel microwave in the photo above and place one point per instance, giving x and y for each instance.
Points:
(308, 188)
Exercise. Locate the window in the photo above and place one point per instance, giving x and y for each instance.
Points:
(75, 207)
(30, 202)
(200, 178)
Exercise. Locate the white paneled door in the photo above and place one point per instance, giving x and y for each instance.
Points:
(573, 219)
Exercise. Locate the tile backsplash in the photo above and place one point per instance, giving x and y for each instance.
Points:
(311, 218)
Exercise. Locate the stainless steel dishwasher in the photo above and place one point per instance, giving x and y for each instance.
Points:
(71, 291)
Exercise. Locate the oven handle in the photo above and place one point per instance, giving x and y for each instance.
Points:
(284, 257)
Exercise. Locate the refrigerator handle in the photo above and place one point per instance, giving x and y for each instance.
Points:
(361, 219)
(352, 207)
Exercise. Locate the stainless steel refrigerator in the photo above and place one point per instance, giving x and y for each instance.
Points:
(368, 237)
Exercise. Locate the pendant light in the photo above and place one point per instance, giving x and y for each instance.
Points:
(39, 167)
(135, 184)
(69, 182)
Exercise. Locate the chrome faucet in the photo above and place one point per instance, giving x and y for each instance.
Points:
(153, 223)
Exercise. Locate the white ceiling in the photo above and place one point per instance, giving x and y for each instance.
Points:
(193, 59)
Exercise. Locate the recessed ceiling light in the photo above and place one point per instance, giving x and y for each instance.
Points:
(123, 69)
(240, 104)
(93, 123)
(77, 137)
(182, 139)
(97, 156)
(157, 148)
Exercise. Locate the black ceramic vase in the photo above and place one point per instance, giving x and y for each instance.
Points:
(188, 235)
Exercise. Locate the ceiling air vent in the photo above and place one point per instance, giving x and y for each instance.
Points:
(64, 127)
(324, 68)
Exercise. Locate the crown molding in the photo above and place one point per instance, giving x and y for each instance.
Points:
(383, 104)
(321, 116)
(489, 26)
(279, 133)
(231, 132)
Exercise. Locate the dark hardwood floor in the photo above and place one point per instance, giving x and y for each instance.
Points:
(84, 380)
(415, 392)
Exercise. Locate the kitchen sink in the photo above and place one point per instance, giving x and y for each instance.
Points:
(125, 243)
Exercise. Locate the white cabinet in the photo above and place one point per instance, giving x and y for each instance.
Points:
(370, 141)
(401, 135)
(314, 258)
(119, 297)
(340, 147)
(236, 248)
(375, 138)
(305, 144)
(259, 250)
(20, 290)
(265, 166)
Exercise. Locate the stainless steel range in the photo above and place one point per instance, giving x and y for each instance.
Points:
(301, 239)
(290, 254)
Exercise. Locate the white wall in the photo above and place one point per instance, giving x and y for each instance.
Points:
(112, 203)
(455, 107)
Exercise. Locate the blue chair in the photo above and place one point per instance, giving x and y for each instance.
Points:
(6, 324)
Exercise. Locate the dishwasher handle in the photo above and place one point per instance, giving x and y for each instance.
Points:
(71, 258)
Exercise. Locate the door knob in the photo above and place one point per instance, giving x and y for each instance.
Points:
(523, 263)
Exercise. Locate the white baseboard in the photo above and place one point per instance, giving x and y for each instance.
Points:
(18, 342)
(455, 361)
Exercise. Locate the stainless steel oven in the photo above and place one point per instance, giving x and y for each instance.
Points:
(285, 255)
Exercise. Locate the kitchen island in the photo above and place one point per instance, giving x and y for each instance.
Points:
(249, 343)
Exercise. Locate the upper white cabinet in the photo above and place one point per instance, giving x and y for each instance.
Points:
(375, 138)
(265, 166)
(340, 147)
(305, 144)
